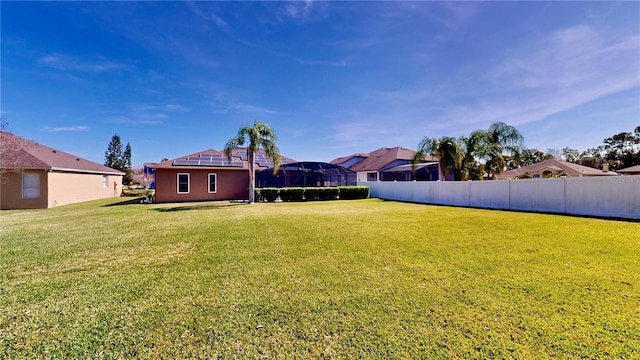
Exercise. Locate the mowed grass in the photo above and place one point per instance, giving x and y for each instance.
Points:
(339, 279)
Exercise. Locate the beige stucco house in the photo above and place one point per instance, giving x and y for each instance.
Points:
(35, 176)
(554, 167)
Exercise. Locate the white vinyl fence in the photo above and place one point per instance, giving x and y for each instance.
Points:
(617, 196)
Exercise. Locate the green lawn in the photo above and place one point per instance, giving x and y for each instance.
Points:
(344, 279)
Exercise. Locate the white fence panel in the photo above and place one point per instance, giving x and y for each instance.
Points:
(603, 196)
(489, 194)
(450, 193)
(543, 195)
(615, 197)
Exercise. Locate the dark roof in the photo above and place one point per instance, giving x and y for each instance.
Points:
(342, 160)
(379, 158)
(568, 168)
(22, 154)
(238, 161)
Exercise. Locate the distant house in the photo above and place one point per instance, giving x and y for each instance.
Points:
(36, 176)
(553, 167)
(389, 164)
(207, 175)
(633, 170)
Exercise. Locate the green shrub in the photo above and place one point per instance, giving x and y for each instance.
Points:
(292, 194)
(353, 192)
(312, 193)
(269, 194)
(329, 193)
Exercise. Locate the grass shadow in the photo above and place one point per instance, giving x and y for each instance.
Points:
(198, 207)
(130, 201)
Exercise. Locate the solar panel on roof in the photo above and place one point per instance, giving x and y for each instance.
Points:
(193, 158)
(180, 162)
(206, 156)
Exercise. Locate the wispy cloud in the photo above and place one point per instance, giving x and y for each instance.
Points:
(546, 77)
(220, 23)
(136, 121)
(340, 63)
(146, 109)
(67, 128)
(145, 114)
(566, 69)
(93, 64)
(299, 10)
(222, 103)
(174, 108)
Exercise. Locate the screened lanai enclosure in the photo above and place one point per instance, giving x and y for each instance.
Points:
(305, 174)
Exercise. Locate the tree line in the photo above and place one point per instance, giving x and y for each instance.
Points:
(120, 159)
(619, 151)
(501, 147)
(470, 157)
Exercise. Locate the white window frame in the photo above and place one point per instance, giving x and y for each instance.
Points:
(188, 183)
(209, 183)
(26, 186)
(105, 181)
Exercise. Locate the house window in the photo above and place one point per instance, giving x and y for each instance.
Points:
(212, 183)
(105, 181)
(183, 183)
(372, 176)
(30, 186)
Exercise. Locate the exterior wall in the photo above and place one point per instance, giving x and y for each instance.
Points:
(11, 191)
(361, 176)
(56, 189)
(68, 188)
(230, 185)
(610, 196)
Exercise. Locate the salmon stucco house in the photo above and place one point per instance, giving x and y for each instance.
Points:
(207, 175)
(36, 176)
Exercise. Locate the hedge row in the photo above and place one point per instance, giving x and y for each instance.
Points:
(312, 193)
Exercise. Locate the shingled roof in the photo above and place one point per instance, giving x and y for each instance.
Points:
(633, 170)
(568, 168)
(379, 158)
(22, 154)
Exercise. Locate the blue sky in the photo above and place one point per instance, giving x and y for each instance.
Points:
(331, 78)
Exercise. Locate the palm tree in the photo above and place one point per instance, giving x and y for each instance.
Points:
(501, 138)
(260, 135)
(446, 149)
(474, 148)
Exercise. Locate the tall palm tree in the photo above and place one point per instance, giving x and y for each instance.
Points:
(446, 149)
(255, 137)
(501, 138)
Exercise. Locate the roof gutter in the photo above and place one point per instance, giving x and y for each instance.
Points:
(86, 171)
